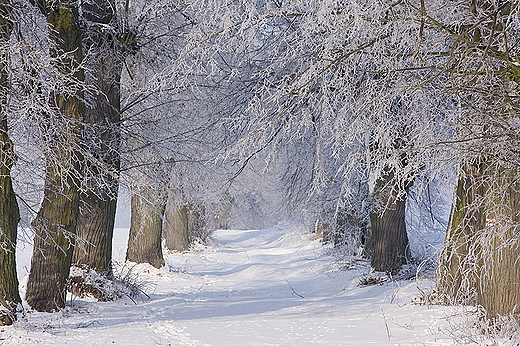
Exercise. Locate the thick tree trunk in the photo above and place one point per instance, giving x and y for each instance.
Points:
(175, 227)
(144, 240)
(387, 241)
(183, 224)
(457, 273)
(196, 221)
(9, 218)
(55, 223)
(95, 231)
(9, 212)
(499, 291)
(479, 262)
(54, 226)
(102, 141)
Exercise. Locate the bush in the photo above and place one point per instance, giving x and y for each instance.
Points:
(122, 282)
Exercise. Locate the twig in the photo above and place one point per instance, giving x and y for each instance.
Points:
(86, 325)
(386, 325)
(293, 291)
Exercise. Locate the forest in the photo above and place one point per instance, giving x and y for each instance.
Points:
(330, 114)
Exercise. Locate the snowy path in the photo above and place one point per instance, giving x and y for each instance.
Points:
(256, 287)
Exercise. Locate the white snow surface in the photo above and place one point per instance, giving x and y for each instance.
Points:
(245, 287)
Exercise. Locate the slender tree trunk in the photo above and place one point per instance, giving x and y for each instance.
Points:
(196, 221)
(55, 223)
(102, 141)
(387, 240)
(9, 212)
(144, 240)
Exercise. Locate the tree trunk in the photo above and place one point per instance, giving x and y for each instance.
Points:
(102, 141)
(9, 218)
(55, 223)
(196, 221)
(9, 212)
(457, 274)
(144, 240)
(222, 217)
(183, 224)
(499, 291)
(479, 261)
(175, 228)
(387, 240)
(95, 231)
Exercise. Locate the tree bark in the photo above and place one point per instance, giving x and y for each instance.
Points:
(499, 292)
(9, 212)
(95, 231)
(479, 261)
(144, 240)
(55, 223)
(387, 241)
(175, 228)
(101, 138)
(457, 274)
(183, 224)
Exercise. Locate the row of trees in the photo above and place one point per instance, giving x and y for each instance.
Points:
(84, 109)
(353, 103)
(391, 94)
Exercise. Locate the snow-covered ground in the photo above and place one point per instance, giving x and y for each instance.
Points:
(246, 287)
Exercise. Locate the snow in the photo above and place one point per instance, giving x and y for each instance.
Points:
(245, 287)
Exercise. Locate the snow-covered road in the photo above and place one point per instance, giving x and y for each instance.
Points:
(247, 287)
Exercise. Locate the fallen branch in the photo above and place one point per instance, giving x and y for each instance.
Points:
(293, 291)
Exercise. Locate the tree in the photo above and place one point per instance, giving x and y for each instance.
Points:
(9, 212)
(175, 227)
(479, 260)
(441, 61)
(101, 135)
(307, 74)
(55, 223)
(144, 239)
(183, 224)
(387, 240)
